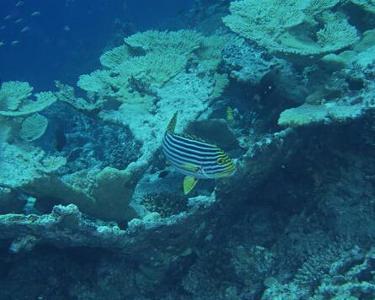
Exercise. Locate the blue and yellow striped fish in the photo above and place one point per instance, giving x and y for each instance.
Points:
(195, 159)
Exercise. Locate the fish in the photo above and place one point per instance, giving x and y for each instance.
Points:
(19, 20)
(14, 43)
(2, 27)
(25, 29)
(19, 3)
(35, 13)
(2, 43)
(229, 114)
(60, 138)
(194, 158)
(8, 17)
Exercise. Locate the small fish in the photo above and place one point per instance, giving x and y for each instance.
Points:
(66, 28)
(20, 3)
(19, 20)
(14, 43)
(8, 17)
(229, 114)
(2, 27)
(35, 14)
(60, 138)
(195, 159)
(25, 29)
(2, 43)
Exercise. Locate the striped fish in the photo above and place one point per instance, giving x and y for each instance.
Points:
(195, 159)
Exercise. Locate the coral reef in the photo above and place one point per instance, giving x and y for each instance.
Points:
(19, 112)
(245, 63)
(345, 275)
(279, 26)
(88, 203)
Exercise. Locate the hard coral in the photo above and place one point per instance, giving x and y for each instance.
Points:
(12, 93)
(281, 26)
(15, 99)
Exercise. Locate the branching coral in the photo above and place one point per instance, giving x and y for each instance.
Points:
(281, 26)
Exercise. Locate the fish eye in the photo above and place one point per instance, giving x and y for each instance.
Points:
(220, 160)
(223, 160)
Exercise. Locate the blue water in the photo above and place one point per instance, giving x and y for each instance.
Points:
(67, 37)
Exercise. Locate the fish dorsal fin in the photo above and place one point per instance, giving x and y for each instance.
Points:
(197, 139)
(172, 123)
(189, 184)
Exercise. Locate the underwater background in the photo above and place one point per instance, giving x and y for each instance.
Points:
(200, 149)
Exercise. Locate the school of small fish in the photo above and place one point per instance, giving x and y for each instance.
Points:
(16, 24)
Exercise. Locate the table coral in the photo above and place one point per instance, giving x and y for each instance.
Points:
(367, 5)
(26, 106)
(33, 127)
(281, 26)
(182, 42)
(12, 93)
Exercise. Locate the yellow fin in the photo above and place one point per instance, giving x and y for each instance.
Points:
(229, 114)
(172, 123)
(189, 184)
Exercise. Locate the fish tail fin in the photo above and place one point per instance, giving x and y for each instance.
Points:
(172, 123)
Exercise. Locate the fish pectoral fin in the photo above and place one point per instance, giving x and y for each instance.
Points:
(189, 184)
(190, 167)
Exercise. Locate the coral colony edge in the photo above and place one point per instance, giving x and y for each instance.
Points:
(227, 152)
